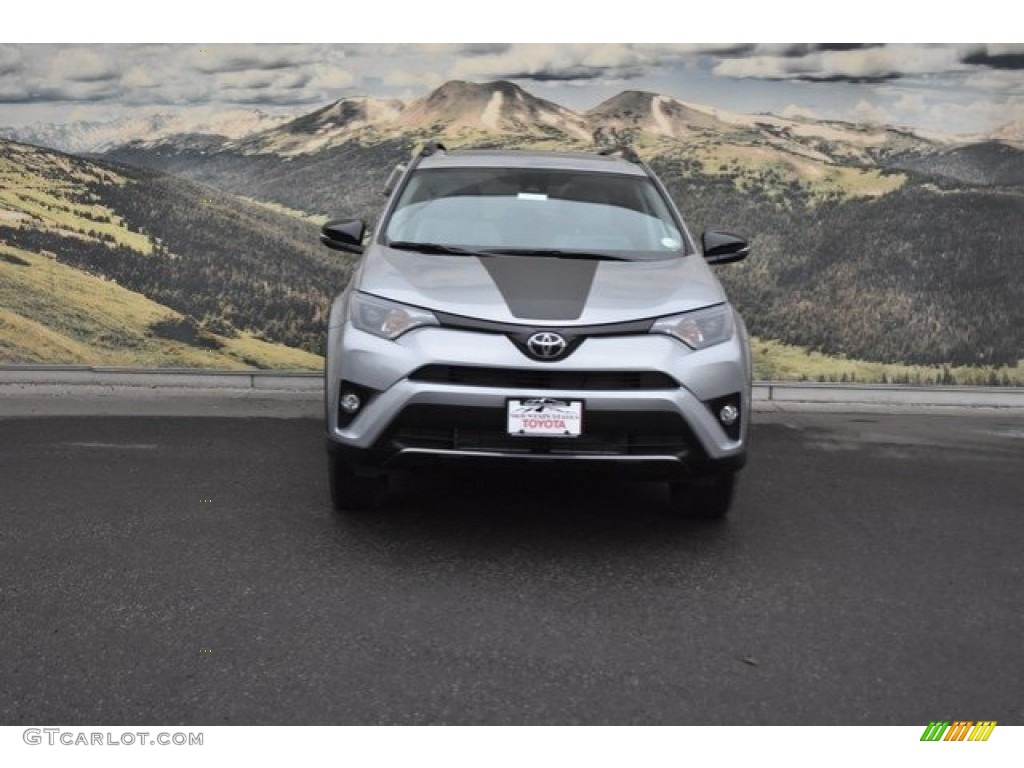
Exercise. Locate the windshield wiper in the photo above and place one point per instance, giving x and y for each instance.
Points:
(454, 250)
(555, 253)
(409, 245)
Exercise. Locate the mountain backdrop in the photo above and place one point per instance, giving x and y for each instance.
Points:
(871, 243)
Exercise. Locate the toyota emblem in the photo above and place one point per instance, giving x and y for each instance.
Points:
(546, 345)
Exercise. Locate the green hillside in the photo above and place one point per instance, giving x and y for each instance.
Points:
(776, 361)
(252, 280)
(919, 275)
(53, 313)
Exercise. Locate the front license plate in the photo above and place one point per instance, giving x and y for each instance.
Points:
(545, 417)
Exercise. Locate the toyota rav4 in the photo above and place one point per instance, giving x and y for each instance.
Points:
(517, 307)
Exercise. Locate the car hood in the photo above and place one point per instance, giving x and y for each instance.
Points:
(540, 290)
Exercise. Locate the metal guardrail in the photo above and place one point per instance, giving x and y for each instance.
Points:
(888, 394)
(191, 378)
(780, 392)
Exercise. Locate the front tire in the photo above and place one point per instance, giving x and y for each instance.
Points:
(349, 491)
(704, 498)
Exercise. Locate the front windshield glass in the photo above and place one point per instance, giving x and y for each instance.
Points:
(529, 208)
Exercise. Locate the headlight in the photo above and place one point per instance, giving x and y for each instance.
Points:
(699, 329)
(387, 319)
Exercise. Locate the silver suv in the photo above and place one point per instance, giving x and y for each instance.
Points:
(515, 307)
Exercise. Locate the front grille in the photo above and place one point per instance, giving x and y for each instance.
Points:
(433, 427)
(517, 378)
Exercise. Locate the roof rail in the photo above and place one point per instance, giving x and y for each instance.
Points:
(400, 170)
(431, 147)
(626, 153)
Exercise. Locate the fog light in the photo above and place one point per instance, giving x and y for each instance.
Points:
(350, 402)
(728, 414)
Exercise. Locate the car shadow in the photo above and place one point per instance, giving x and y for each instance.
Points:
(542, 512)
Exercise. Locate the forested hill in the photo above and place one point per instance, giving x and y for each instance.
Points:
(920, 274)
(227, 264)
(346, 180)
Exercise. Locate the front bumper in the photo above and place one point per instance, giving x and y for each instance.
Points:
(645, 399)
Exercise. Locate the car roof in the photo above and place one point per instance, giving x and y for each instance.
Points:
(520, 158)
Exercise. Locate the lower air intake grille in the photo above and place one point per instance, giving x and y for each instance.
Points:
(432, 427)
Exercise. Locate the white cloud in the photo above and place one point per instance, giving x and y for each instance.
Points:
(795, 110)
(421, 81)
(868, 112)
(997, 81)
(10, 60)
(246, 79)
(543, 61)
(860, 64)
(1004, 49)
(239, 57)
(138, 77)
(330, 78)
(84, 64)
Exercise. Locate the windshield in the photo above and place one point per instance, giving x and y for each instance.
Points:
(535, 209)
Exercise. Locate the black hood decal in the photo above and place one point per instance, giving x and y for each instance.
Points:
(542, 288)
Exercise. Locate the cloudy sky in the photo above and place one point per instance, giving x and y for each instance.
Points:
(946, 88)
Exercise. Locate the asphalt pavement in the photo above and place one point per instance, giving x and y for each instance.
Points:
(187, 570)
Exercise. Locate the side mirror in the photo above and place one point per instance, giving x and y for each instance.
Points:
(344, 235)
(723, 247)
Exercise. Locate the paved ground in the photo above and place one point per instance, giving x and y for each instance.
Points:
(182, 570)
